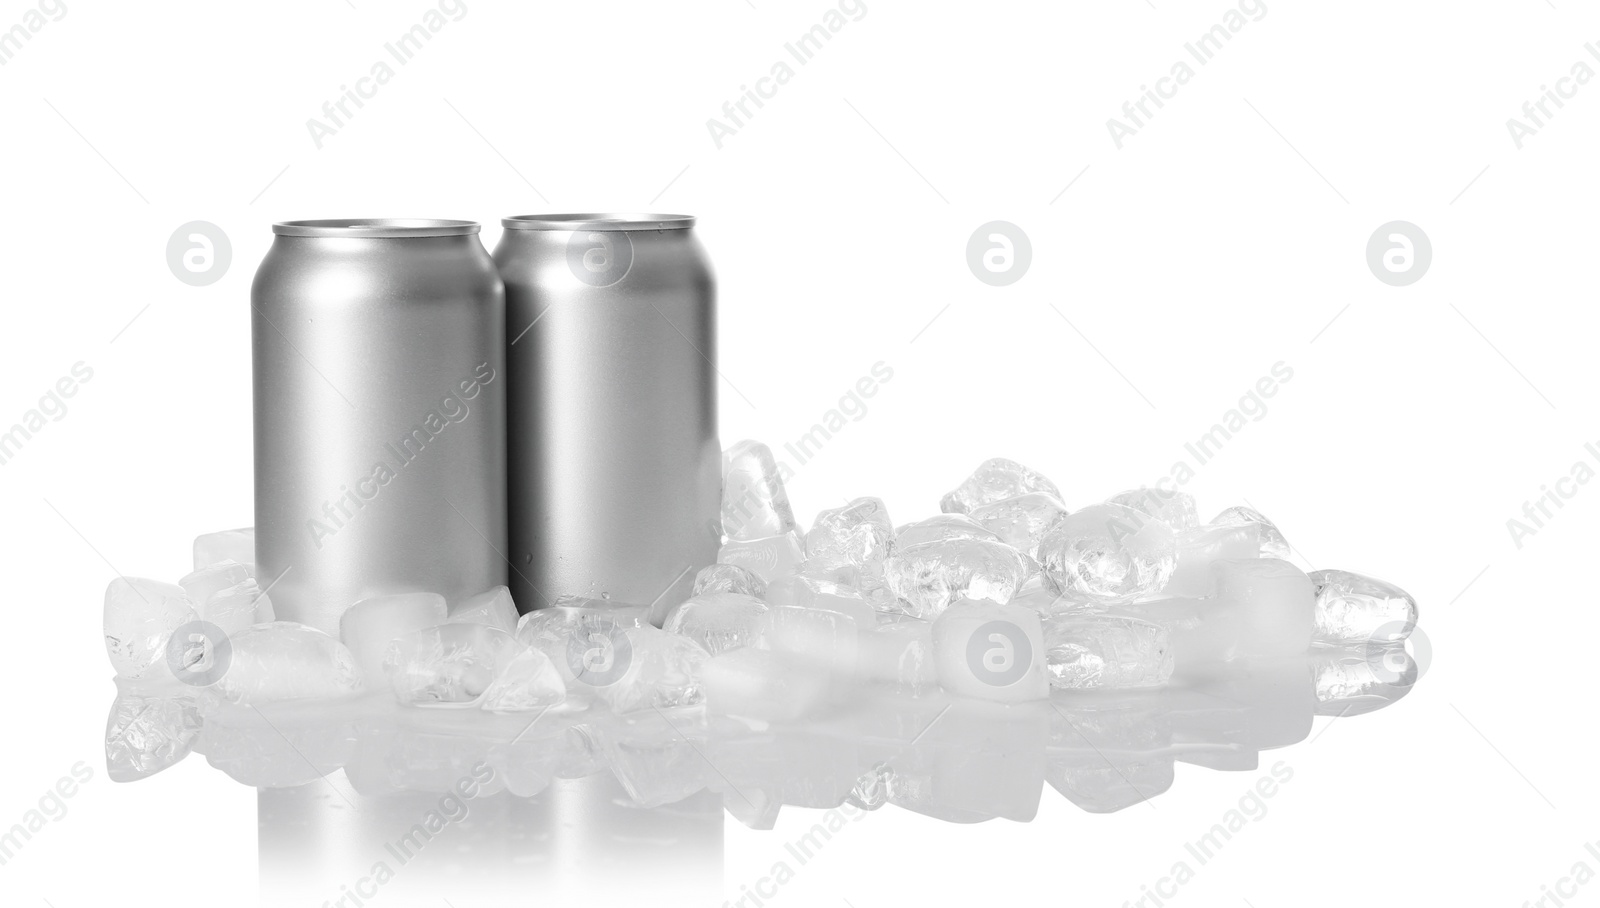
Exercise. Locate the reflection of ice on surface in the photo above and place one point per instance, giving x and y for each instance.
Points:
(956, 759)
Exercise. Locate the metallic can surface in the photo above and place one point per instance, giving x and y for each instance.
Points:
(614, 463)
(378, 357)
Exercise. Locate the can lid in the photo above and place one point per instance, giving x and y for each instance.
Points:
(602, 221)
(375, 227)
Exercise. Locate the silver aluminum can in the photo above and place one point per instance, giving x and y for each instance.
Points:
(378, 357)
(614, 463)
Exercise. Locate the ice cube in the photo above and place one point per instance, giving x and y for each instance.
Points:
(139, 618)
(1202, 634)
(926, 578)
(369, 626)
(900, 655)
(204, 582)
(768, 558)
(809, 592)
(1090, 650)
(990, 652)
(1200, 547)
(849, 544)
(872, 788)
(528, 682)
(941, 527)
(995, 480)
(754, 504)
(284, 660)
(237, 607)
(493, 608)
(583, 638)
(1172, 507)
(765, 685)
(229, 545)
(1108, 553)
(1276, 603)
(658, 671)
(717, 621)
(1352, 682)
(450, 664)
(1021, 522)
(1352, 609)
(146, 734)
(1273, 545)
(817, 636)
(728, 578)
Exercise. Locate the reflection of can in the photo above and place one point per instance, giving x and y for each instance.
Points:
(614, 464)
(379, 414)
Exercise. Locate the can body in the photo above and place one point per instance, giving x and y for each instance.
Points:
(379, 391)
(614, 467)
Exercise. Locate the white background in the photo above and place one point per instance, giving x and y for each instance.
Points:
(1227, 235)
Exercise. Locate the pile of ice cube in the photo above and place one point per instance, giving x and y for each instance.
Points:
(1004, 596)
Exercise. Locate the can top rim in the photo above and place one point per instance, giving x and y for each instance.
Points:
(375, 227)
(603, 221)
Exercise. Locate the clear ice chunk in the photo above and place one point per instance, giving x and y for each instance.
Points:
(658, 671)
(1108, 553)
(768, 558)
(1352, 682)
(871, 790)
(1091, 650)
(809, 592)
(448, 665)
(926, 578)
(1273, 545)
(941, 527)
(996, 479)
(147, 733)
(139, 618)
(765, 685)
(229, 545)
(1021, 522)
(1352, 609)
(287, 661)
(849, 544)
(237, 607)
(990, 652)
(584, 638)
(207, 581)
(899, 654)
(1200, 548)
(493, 607)
(754, 503)
(369, 626)
(528, 682)
(1172, 507)
(717, 621)
(728, 578)
(1276, 603)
